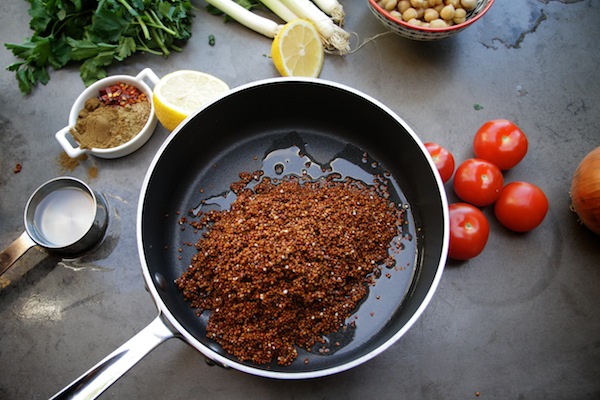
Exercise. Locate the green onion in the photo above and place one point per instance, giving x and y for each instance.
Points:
(280, 9)
(332, 8)
(334, 37)
(262, 25)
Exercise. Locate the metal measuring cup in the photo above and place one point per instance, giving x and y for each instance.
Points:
(64, 216)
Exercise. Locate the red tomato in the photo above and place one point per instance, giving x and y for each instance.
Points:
(469, 231)
(521, 207)
(443, 159)
(501, 142)
(478, 182)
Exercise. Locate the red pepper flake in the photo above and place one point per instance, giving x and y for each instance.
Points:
(18, 168)
(121, 94)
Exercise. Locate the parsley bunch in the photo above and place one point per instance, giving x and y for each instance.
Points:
(96, 33)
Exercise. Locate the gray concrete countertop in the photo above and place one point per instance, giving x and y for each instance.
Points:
(522, 320)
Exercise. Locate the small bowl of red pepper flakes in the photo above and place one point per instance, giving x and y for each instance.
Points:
(112, 118)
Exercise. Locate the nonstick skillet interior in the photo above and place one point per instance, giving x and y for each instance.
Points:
(207, 153)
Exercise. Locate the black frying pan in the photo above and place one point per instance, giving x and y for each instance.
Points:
(203, 156)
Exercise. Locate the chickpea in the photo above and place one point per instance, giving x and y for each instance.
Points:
(447, 12)
(430, 15)
(468, 4)
(461, 15)
(409, 14)
(403, 5)
(438, 23)
(389, 5)
(396, 14)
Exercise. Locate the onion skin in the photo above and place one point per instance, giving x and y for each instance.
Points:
(585, 191)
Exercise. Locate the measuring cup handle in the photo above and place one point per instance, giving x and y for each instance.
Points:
(14, 251)
(100, 377)
(61, 136)
(149, 74)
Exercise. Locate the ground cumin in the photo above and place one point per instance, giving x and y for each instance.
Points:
(69, 164)
(103, 126)
(288, 263)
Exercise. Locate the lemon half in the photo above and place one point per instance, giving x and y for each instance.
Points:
(182, 92)
(297, 50)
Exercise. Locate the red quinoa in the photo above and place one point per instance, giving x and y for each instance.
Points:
(287, 263)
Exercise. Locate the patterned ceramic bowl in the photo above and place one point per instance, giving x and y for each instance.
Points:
(402, 28)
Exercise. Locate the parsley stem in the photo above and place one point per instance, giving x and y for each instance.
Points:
(160, 42)
(137, 16)
(157, 23)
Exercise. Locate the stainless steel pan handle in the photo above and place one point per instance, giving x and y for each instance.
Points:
(14, 251)
(94, 382)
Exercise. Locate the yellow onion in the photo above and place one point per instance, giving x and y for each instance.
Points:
(585, 190)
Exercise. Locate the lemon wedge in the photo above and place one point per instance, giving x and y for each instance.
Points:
(297, 50)
(180, 93)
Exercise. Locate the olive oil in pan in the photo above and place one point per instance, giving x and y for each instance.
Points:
(392, 282)
(64, 216)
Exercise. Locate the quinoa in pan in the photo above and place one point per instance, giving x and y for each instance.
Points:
(288, 263)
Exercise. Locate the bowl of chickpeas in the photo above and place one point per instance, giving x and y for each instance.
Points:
(427, 20)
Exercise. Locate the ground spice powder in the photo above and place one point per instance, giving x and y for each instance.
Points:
(288, 263)
(102, 126)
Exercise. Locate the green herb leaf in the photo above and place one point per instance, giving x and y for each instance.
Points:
(84, 49)
(41, 16)
(108, 25)
(126, 48)
(96, 33)
(92, 69)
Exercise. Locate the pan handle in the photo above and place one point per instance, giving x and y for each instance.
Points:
(99, 378)
(14, 251)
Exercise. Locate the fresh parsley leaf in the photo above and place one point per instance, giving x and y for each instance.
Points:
(96, 33)
(108, 25)
(85, 48)
(92, 69)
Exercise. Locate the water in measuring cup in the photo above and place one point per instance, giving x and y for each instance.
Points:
(64, 216)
